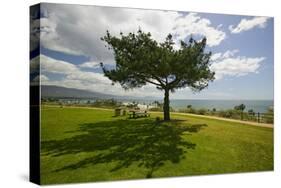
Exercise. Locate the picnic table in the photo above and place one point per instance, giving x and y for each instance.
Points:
(138, 113)
(120, 112)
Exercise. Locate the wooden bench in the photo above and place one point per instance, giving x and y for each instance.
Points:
(136, 114)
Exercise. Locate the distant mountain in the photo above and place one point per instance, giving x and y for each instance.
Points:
(63, 92)
(57, 91)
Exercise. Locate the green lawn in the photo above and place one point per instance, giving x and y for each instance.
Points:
(81, 145)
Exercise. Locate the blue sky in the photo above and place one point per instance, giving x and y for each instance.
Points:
(71, 49)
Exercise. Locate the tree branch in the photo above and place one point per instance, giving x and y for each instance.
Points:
(147, 80)
(174, 82)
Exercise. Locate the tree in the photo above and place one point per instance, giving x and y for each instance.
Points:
(158, 104)
(140, 60)
(240, 108)
(269, 115)
(251, 112)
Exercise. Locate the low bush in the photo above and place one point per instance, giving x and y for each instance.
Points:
(202, 111)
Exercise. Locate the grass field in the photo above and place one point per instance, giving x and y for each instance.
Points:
(81, 145)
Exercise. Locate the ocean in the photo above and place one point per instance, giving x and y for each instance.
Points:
(257, 105)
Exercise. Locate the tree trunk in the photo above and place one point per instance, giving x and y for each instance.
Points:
(166, 107)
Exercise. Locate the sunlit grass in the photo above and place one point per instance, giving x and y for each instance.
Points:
(82, 145)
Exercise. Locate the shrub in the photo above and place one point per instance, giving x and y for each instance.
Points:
(230, 114)
(269, 116)
(251, 112)
(191, 110)
(202, 111)
(221, 113)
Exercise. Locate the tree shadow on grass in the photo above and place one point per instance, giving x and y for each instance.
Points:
(143, 142)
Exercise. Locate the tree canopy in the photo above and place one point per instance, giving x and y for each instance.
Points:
(141, 60)
(240, 107)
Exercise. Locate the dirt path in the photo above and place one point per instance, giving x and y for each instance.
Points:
(184, 114)
(231, 120)
(84, 107)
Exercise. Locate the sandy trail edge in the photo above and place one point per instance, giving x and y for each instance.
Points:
(230, 120)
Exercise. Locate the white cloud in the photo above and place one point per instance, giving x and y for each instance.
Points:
(230, 53)
(74, 77)
(194, 24)
(70, 71)
(247, 24)
(41, 78)
(56, 66)
(78, 30)
(227, 54)
(227, 64)
(91, 64)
